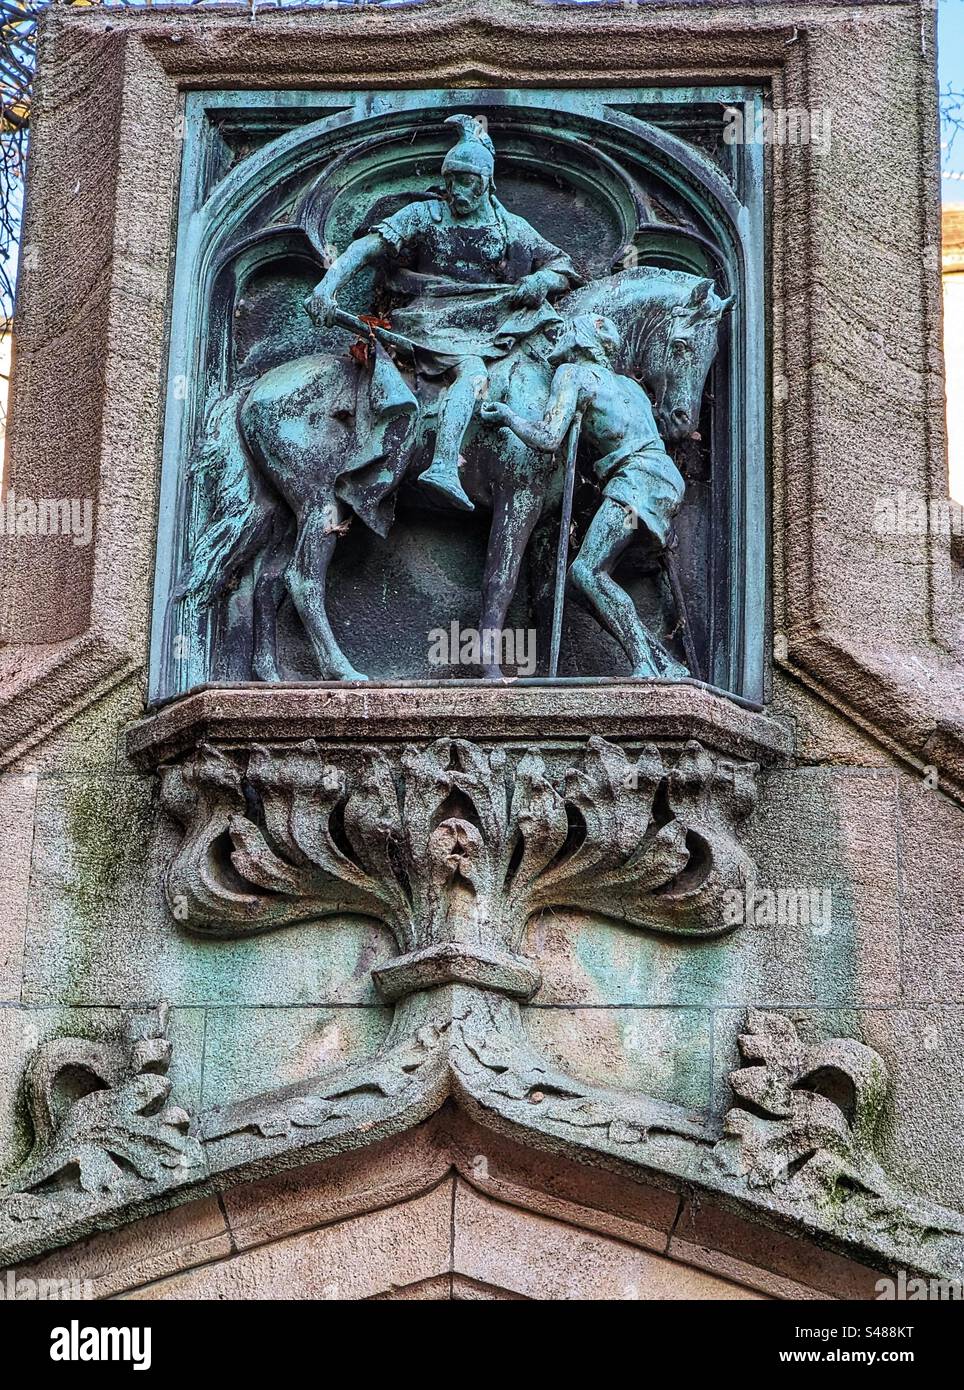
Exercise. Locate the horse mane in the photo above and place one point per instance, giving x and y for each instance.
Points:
(638, 318)
(652, 315)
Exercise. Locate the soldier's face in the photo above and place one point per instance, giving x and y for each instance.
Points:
(465, 192)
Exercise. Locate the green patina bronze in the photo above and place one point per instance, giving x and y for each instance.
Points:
(428, 379)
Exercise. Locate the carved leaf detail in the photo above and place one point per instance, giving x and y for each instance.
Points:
(121, 1129)
(804, 1121)
(454, 843)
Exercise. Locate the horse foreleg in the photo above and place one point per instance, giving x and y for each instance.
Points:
(514, 513)
(542, 553)
(307, 577)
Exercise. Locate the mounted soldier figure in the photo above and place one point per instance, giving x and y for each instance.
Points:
(478, 281)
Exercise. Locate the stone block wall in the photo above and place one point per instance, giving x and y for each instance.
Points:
(864, 806)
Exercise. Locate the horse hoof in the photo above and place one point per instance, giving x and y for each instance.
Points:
(342, 673)
(270, 675)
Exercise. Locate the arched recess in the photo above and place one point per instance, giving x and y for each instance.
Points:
(611, 187)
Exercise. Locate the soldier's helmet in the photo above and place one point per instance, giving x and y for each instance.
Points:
(473, 153)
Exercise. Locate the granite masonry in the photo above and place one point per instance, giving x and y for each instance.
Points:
(636, 971)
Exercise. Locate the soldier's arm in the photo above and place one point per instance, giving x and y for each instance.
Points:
(548, 433)
(323, 300)
(552, 270)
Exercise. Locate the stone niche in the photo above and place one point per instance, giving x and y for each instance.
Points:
(437, 967)
(640, 187)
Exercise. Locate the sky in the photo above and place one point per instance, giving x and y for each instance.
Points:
(950, 57)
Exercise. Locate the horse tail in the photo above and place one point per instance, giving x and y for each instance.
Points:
(222, 473)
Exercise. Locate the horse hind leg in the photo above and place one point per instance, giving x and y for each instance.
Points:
(542, 554)
(307, 577)
(269, 592)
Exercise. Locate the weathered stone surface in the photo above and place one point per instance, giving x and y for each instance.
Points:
(18, 795)
(821, 734)
(393, 1171)
(817, 832)
(93, 741)
(546, 1259)
(919, 1138)
(804, 1116)
(91, 870)
(818, 1025)
(834, 831)
(513, 1202)
(662, 1052)
(142, 1253)
(450, 1287)
(457, 845)
(352, 1259)
(103, 1118)
(917, 1135)
(23, 1030)
(772, 1261)
(247, 1051)
(18, 1036)
(610, 1203)
(931, 894)
(100, 931)
(639, 711)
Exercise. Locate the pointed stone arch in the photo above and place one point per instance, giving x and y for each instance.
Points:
(451, 1211)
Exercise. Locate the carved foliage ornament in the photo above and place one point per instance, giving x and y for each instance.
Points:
(799, 1137)
(101, 1117)
(457, 844)
(803, 1125)
(454, 847)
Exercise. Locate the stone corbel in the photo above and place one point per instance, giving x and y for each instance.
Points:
(455, 847)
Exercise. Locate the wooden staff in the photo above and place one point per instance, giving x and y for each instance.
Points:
(679, 599)
(562, 552)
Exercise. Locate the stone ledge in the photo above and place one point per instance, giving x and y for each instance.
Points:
(453, 964)
(43, 687)
(625, 710)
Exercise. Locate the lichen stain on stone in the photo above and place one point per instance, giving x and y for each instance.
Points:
(104, 833)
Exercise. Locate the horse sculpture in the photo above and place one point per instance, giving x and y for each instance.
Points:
(289, 458)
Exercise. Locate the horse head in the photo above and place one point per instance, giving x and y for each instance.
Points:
(678, 356)
(669, 322)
